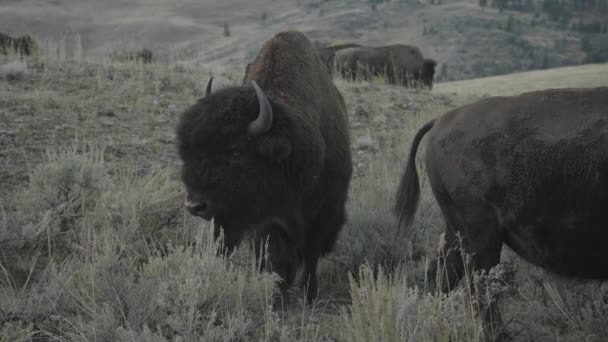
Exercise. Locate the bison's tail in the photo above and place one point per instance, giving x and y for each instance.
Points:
(408, 193)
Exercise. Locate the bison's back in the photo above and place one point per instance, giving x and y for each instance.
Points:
(290, 70)
(363, 62)
(408, 58)
(539, 163)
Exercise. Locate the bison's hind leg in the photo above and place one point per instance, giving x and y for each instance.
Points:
(460, 257)
(473, 228)
(446, 270)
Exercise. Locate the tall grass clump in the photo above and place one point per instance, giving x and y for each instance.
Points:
(94, 251)
(59, 192)
(15, 70)
(186, 293)
(579, 312)
(371, 234)
(553, 307)
(385, 308)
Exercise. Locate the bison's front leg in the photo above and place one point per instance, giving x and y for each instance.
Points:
(276, 252)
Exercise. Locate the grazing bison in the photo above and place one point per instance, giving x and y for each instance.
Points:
(143, 56)
(23, 45)
(272, 157)
(528, 171)
(400, 64)
(327, 54)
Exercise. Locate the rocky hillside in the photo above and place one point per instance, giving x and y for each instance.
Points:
(467, 39)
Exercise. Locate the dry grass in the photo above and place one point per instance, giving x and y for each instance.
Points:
(590, 75)
(96, 246)
(14, 70)
(463, 34)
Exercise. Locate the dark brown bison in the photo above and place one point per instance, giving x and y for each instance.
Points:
(271, 158)
(528, 171)
(24, 45)
(327, 54)
(143, 56)
(400, 64)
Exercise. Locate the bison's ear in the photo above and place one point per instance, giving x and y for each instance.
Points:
(274, 148)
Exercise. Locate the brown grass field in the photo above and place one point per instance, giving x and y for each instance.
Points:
(95, 244)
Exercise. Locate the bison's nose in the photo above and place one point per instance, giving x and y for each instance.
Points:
(202, 208)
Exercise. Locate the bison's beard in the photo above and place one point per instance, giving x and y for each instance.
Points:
(232, 228)
(229, 238)
(238, 225)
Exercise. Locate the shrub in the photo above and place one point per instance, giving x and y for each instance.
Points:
(103, 265)
(384, 308)
(15, 70)
(59, 192)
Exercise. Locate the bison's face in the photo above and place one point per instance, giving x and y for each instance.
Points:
(234, 150)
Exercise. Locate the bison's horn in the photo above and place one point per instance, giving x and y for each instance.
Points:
(208, 90)
(263, 122)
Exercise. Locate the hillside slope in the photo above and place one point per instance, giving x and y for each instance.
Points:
(90, 197)
(467, 40)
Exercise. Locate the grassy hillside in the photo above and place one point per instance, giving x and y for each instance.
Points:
(590, 75)
(95, 243)
(466, 39)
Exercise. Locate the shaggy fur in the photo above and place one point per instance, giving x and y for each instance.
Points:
(528, 171)
(327, 54)
(288, 184)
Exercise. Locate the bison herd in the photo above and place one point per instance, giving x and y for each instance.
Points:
(271, 159)
(26, 46)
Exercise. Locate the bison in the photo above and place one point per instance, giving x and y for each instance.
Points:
(24, 45)
(271, 158)
(327, 54)
(527, 171)
(400, 64)
(142, 56)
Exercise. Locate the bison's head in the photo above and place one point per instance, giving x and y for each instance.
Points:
(237, 148)
(428, 72)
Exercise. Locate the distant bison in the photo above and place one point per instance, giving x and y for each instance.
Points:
(272, 158)
(327, 54)
(24, 45)
(143, 56)
(528, 171)
(400, 64)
